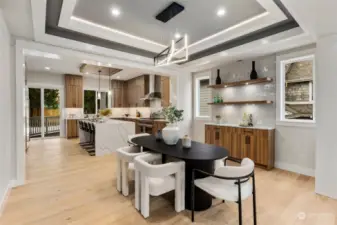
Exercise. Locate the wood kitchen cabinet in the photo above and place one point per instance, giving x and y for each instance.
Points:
(214, 135)
(248, 144)
(158, 125)
(119, 89)
(74, 91)
(72, 129)
(256, 144)
(137, 88)
(165, 91)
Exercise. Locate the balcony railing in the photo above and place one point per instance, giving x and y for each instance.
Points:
(51, 126)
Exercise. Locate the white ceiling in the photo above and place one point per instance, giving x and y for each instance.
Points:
(198, 20)
(70, 65)
(18, 15)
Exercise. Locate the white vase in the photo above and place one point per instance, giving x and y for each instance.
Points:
(171, 134)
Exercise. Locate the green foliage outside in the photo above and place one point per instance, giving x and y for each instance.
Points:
(51, 98)
(89, 102)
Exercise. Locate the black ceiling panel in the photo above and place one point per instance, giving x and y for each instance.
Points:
(169, 12)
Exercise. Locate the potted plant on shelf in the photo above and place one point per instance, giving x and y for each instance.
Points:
(171, 132)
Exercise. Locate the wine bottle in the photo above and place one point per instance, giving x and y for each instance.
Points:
(218, 79)
(253, 74)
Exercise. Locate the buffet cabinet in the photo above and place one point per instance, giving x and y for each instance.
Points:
(256, 144)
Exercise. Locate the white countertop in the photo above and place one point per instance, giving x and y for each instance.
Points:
(261, 127)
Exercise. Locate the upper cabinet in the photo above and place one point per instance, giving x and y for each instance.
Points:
(165, 91)
(74, 91)
(119, 93)
(129, 93)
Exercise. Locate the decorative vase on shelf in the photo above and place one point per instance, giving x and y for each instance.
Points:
(253, 73)
(171, 134)
(218, 78)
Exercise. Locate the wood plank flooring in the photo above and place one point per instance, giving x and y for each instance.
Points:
(68, 187)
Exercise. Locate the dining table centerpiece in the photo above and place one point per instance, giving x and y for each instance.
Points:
(170, 133)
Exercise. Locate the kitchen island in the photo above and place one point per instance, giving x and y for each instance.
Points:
(109, 135)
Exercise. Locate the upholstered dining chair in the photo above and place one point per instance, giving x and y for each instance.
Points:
(125, 159)
(154, 178)
(229, 183)
(130, 137)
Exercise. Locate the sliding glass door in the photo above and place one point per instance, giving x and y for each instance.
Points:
(44, 112)
(51, 113)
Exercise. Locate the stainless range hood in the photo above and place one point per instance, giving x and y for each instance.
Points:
(155, 88)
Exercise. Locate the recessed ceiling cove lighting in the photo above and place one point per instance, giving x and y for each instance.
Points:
(47, 68)
(177, 35)
(221, 12)
(115, 12)
(265, 41)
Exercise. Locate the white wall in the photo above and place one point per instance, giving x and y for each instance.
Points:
(295, 142)
(45, 78)
(90, 83)
(6, 114)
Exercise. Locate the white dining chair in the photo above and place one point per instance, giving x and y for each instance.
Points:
(131, 136)
(229, 183)
(153, 178)
(125, 158)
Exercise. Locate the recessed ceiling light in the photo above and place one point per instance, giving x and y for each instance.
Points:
(264, 41)
(118, 77)
(47, 68)
(221, 12)
(115, 12)
(87, 73)
(109, 64)
(99, 63)
(177, 35)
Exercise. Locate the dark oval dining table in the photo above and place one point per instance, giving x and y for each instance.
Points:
(200, 156)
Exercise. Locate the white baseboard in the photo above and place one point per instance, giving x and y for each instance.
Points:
(4, 198)
(295, 168)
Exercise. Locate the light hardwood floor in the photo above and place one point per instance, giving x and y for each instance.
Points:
(66, 186)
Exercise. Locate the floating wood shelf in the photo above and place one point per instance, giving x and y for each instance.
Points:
(242, 102)
(243, 82)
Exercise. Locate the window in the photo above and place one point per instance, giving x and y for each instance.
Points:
(89, 102)
(297, 89)
(92, 104)
(202, 97)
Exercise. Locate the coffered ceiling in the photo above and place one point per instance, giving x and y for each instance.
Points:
(199, 19)
(131, 26)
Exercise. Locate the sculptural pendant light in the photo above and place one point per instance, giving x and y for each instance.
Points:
(99, 85)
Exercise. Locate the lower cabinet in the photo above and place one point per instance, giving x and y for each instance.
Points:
(72, 129)
(256, 144)
(158, 125)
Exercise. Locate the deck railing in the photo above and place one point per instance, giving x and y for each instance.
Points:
(51, 126)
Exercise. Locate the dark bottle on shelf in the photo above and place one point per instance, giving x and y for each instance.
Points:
(218, 79)
(253, 74)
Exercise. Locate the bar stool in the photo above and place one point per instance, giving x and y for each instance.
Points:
(125, 158)
(154, 178)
